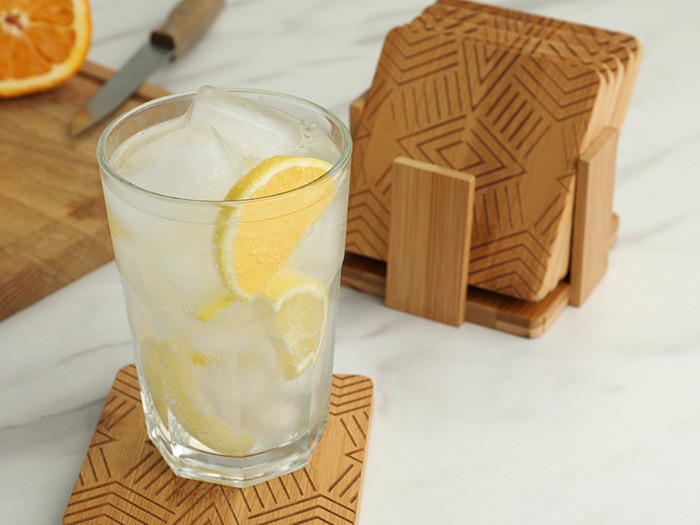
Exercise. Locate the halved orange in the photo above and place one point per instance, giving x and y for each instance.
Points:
(43, 43)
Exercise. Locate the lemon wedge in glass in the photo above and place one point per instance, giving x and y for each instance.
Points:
(254, 240)
(168, 369)
(300, 310)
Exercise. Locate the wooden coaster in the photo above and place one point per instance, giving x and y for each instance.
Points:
(449, 101)
(125, 480)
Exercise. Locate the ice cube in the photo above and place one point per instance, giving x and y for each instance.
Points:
(285, 418)
(217, 382)
(190, 162)
(188, 262)
(259, 131)
(317, 143)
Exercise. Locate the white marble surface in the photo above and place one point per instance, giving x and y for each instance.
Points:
(597, 422)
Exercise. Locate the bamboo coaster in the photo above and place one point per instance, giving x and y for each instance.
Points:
(447, 100)
(624, 46)
(125, 480)
(491, 28)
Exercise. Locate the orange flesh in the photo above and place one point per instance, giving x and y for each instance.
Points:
(38, 36)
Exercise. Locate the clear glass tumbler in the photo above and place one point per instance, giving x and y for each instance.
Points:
(235, 386)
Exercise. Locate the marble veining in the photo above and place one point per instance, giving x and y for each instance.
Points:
(597, 422)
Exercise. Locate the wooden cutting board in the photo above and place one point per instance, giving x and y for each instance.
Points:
(53, 226)
(125, 480)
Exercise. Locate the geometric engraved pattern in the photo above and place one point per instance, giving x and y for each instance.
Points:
(510, 101)
(613, 48)
(124, 480)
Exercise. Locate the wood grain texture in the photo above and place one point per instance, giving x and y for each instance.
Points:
(528, 39)
(492, 310)
(356, 107)
(430, 237)
(124, 479)
(450, 73)
(53, 225)
(593, 225)
(449, 101)
(186, 24)
(625, 46)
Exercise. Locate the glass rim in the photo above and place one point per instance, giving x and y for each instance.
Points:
(107, 168)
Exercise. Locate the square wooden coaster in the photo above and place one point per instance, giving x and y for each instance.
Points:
(124, 480)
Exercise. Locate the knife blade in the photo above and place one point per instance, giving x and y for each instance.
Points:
(186, 23)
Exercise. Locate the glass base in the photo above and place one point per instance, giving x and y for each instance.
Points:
(239, 472)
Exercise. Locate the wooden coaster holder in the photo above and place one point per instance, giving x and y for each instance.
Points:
(427, 267)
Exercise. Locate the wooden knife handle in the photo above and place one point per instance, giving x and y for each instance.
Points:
(187, 22)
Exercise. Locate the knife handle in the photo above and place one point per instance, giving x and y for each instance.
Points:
(186, 23)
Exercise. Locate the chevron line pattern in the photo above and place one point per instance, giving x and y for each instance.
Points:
(124, 480)
(113, 502)
(516, 120)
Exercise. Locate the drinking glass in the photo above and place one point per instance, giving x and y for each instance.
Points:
(235, 389)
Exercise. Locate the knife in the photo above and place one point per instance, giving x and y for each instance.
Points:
(186, 23)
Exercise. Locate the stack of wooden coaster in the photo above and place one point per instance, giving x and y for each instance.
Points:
(511, 98)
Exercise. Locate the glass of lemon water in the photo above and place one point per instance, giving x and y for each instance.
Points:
(227, 210)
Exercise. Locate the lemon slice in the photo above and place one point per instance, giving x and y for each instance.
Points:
(211, 310)
(300, 309)
(168, 369)
(251, 247)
